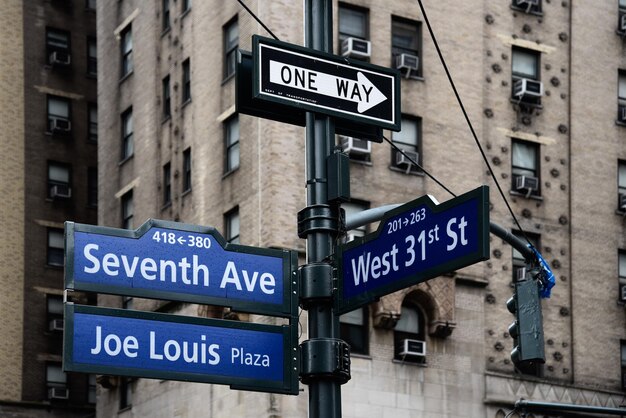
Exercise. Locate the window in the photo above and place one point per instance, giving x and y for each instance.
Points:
(621, 21)
(621, 271)
(525, 66)
(92, 57)
(55, 379)
(127, 134)
(167, 110)
(406, 38)
(527, 6)
(231, 41)
(353, 23)
(58, 47)
(59, 111)
(92, 122)
(231, 226)
(127, 51)
(186, 5)
(55, 247)
(525, 163)
(166, 15)
(353, 208)
(59, 181)
(409, 141)
(126, 393)
(127, 302)
(127, 210)
(90, 5)
(187, 170)
(621, 184)
(525, 63)
(623, 361)
(410, 326)
(186, 81)
(167, 184)
(54, 305)
(91, 389)
(231, 140)
(354, 329)
(92, 187)
(621, 97)
(518, 259)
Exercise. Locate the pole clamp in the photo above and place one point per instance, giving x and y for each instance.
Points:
(316, 284)
(318, 218)
(325, 358)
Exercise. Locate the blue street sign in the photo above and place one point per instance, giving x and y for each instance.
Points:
(174, 261)
(244, 355)
(414, 242)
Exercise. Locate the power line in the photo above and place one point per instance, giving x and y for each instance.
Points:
(467, 119)
(394, 146)
(258, 20)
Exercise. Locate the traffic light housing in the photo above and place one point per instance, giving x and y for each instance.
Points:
(528, 354)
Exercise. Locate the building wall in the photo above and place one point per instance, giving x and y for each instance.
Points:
(598, 320)
(28, 79)
(12, 205)
(469, 372)
(508, 29)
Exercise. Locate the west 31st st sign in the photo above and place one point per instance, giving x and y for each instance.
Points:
(414, 242)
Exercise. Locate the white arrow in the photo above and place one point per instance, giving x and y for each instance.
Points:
(181, 240)
(360, 91)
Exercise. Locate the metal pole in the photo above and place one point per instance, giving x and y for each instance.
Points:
(324, 392)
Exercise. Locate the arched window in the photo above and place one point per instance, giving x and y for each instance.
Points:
(410, 334)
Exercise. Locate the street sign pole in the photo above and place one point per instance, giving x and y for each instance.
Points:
(324, 389)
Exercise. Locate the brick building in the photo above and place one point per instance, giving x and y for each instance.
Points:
(547, 105)
(48, 175)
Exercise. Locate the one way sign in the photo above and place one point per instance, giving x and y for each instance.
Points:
(324, 83)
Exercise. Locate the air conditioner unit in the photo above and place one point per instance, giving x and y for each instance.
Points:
(60, 58)
(528, 183)
(58, 393)
(355, 146)
(352, 235)
(407, 62)
(525, 87)
(622, 292)
(405, 159)
(356, 48)
(622, 22)
(413, 348)
(60, 125)
(61, 190)
(56, 325)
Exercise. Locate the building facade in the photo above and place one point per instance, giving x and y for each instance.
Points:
(49, 175)
(547, 107)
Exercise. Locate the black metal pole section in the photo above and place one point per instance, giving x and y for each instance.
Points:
(512, 240)
(325, 360)
(547, 407)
